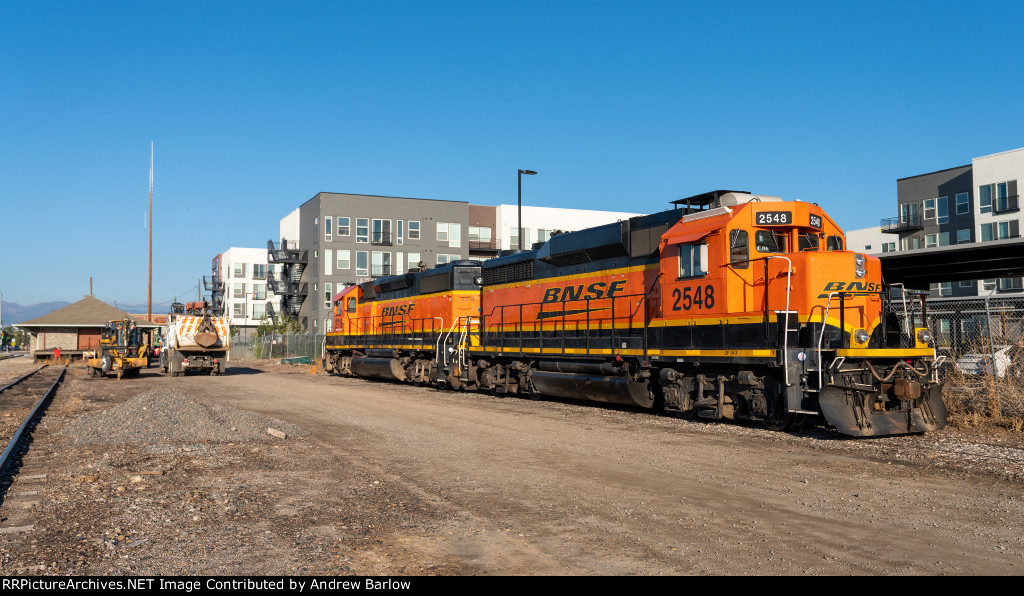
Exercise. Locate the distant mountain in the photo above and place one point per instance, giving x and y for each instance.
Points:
(14, 313)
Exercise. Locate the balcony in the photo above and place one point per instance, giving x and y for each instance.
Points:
(906, 223)
(484, 247)
(382, 239)
(1002, 205)
(286, 252)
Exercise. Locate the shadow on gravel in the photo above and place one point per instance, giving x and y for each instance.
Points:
(242, 370)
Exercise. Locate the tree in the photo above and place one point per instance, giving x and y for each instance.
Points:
(281, 324)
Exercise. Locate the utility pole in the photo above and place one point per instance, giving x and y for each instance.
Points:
(149, 303)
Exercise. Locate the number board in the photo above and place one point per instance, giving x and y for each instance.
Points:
(815, 221)
(774, 218)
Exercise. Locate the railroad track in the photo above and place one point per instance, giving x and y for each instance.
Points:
(22, 403)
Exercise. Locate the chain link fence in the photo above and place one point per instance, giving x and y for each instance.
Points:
(982, 340)
(267, 347)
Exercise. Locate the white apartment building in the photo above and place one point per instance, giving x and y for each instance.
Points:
(540, 222)
(870, 241)
(246, 295)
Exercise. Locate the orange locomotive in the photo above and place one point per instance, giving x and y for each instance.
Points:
(392, 327)
(731, 306)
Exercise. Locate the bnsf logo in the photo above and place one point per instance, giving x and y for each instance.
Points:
(853, 286)
(394, 311)
(593, 291)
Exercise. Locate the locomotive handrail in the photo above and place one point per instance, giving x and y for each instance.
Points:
(519, 324)
(785, 336)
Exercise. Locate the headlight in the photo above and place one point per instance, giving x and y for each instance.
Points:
(858, 262)
(861, 336)
(924, 337)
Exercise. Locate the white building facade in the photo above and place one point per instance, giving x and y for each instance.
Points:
(540, 222)
(247, 299)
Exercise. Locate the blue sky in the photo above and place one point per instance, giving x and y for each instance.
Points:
(254, 107)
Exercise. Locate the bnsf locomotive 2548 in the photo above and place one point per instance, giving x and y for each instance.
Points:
(730, 306)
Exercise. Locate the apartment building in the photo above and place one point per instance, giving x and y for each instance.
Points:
(338, 238)
(245, 299)
(335, 239)
(961, 205)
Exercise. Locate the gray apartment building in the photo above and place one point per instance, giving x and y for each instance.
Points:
(971, 203)
(338, 238)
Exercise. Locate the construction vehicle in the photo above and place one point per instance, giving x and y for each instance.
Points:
(122, 350)
(195, 339)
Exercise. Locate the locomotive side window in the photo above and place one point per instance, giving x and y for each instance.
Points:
(739, 249)
(352, 305)
(768, 241)
(691, 259)
(834, 243)
(808, 241)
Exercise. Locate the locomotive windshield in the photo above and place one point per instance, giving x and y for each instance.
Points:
(769, 241)
(808, 241)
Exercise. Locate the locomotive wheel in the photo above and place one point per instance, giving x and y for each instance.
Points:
(787, 421)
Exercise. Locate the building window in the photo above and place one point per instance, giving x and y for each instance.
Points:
(239, 309)
(327, 229)
(239, 291)
(362, 263)
(328, 260)
(985, 198)
(963, 203)
(543, 235)
(259, 271)
(889, 247)
(343, 226)
(963, 236)
(1010, 284)
(259, 291)
(327, 295)
(513, 238)
(381, 231)
(381, 264)
(259, 311)
(400, 230)
(929, 208)
(943, 238)
(362, 230)
(344, 259)
(479, 234)
(414, 261)
(240, 270)
(944, 288)
(414, 230)
(691, 260)
(988, 285)
(942, 205)
(966, 284)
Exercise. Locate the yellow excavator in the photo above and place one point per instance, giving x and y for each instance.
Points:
(122, 351)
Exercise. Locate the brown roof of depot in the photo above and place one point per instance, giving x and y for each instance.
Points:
(87, 312)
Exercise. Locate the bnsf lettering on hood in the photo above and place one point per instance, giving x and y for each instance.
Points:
(593, 291)
(394, 311)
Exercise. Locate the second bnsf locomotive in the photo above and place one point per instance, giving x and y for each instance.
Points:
(730, 306)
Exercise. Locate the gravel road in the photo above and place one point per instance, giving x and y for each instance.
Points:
(381, 479)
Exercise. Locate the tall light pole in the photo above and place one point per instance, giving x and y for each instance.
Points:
(520, 223)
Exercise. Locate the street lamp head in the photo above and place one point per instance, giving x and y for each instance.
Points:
(527, 172)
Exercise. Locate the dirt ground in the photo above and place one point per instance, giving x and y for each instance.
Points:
(385, 479)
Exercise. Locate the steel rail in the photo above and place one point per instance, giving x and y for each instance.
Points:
(20, 379)
(5, 458)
